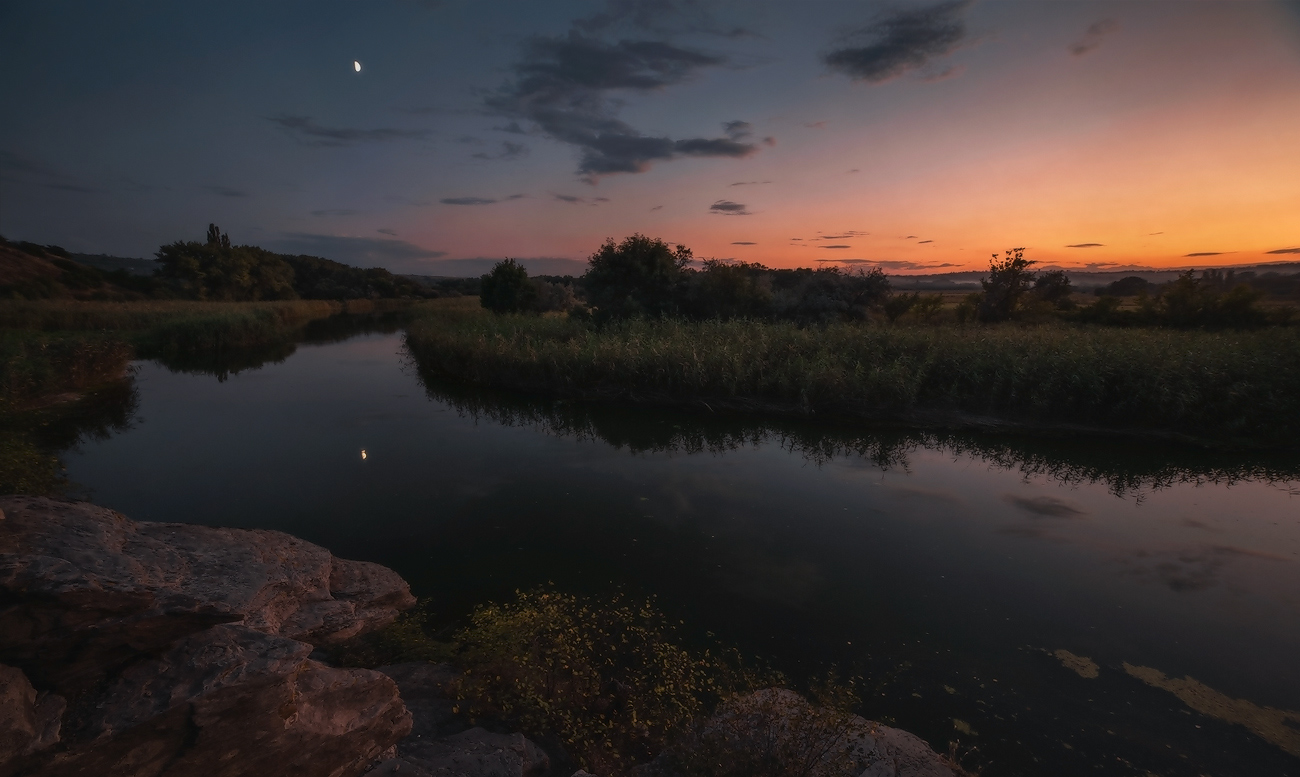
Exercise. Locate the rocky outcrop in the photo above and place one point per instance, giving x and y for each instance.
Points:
(439, 744)
(184, 650)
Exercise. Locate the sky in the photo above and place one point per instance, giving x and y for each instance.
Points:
(914, 136)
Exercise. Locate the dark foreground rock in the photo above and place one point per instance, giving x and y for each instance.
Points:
(168, 649)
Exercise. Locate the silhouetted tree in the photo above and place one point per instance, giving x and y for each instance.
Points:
(1008, 280)
(507, 289)
(640, 276)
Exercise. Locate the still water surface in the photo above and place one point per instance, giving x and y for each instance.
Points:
(946, 570)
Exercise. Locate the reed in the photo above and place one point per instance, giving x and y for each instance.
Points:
(1241, 387)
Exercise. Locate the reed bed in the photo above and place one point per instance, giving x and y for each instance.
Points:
(1242, 387)
(50, 315)
(33, 364)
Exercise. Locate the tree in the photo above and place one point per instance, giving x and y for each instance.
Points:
(1054, 288)
(506, 288)
(639, 277)
(215, 270)
(1008, 280)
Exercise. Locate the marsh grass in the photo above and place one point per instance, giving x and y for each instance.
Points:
(1235, 387)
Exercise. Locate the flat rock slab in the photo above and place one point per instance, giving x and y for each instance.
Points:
(99, 589)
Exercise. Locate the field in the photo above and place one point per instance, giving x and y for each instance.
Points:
(1229, 387)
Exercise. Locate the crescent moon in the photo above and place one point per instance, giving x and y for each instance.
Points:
(356, 66)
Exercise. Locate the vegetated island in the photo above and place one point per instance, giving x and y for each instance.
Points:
(1209, 359)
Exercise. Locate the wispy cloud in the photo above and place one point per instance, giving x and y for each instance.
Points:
(308, 132)
(1093, 36)
(480, 200)
(1284, 251)
(749, 183)
(566, 86)
(1207, 253)
(891, 264)
(744, 243)
(507, 151)
(335, 212)
(836, 246)
(729, 208)
(1086, 245)
(899, 42)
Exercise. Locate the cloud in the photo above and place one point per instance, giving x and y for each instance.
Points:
(899, 42)
(846, 234)
(479, 200)
(854, 170)
(729, 208)
(575, 200)
(1155, 233)
(816, 125)
(360, 251)
(1093, 36)
(392, 232)
(835, 246)
(923, 242)
(308, 132)
(508, 151)
(1044, 506)
(1284, 251)
(19, 169)
(891, 264)
(226, 191)
(563, 85)
(335, 212)
(749, 183)
(1206, 253)
(743, 243)
(657, 207)
(1087, 245)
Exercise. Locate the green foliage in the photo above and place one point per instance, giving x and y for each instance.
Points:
(927, 307)
(639, 277)
(899, 304)
(1215, 385)
(317, 278)
(210, 271)
(610, 679)
(729, 290)
(1008, 281)
(1214, 301)
(506, 288)
(37, 364)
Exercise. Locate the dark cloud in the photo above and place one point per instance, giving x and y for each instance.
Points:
(1092, 37)
(575, 200)
(226, 191)
(835, 246)
(360, 251)
(1155, 233)
(657, 207)
(844, 235)
(890, 264)
(743, 243)
(1087, 245)
(737, 130)
(728, 208)
(480, 200)
(392, 232)
(1044, 506)
(1206, 253)
(854, 170)
(900, 41)
(308, 132)
(19, 169)
(335, 212)
(1284, 251)
(563, 85)
(923, 242)
(508, 151)
(816, 125)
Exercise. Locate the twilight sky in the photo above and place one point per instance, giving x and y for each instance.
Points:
(919, 136)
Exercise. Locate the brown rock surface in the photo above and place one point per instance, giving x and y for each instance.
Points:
(99, 589)
(183, 650)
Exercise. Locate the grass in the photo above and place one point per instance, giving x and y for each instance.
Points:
(1236, 387)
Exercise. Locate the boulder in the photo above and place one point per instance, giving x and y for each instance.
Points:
(183, 650)
(98, 590)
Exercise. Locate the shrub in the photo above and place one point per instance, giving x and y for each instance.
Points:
(898, 304)
(609, 679)
(506, 288)
(1009, 279)
(639, 277)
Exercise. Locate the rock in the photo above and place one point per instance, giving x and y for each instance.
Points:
(99, 590)
(429, 693)
(184, 650)
(472, 753)
(29, 721)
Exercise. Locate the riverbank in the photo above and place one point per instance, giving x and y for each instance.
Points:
(1214, 388)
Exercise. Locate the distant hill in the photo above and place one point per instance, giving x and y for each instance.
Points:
(1081, 279)
(142, 267)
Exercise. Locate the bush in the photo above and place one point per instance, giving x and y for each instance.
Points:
(898, 304)
(611, 680)
(639, 277)
(1009, 279)
(506, 288)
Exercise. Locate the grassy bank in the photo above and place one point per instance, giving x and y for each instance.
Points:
(1234, 387)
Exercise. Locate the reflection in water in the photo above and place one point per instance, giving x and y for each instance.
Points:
(1126, 469)
(947, 570)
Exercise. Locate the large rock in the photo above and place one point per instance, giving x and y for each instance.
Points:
(98, 590)
(183, 650)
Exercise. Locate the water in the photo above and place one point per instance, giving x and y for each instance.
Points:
(946, 570)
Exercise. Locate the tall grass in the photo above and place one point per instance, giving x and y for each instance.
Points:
(1230, 386)
(36, 364)
(70, 315)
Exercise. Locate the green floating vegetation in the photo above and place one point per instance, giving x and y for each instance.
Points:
(1236, 387)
